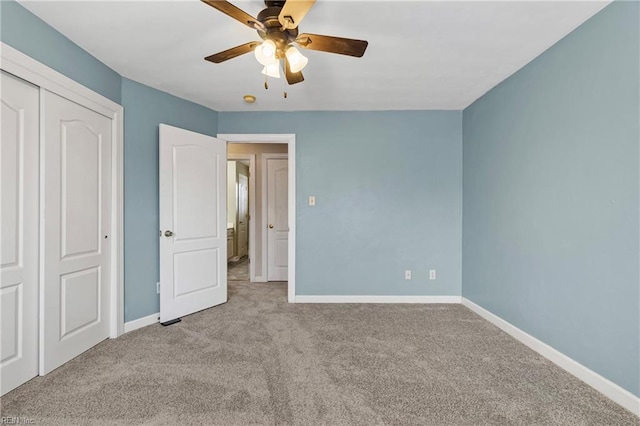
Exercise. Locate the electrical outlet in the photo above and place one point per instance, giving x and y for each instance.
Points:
(432, 274)
(407, 274)
(158, 287)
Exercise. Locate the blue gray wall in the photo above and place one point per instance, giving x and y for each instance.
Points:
(388, 187)
(29, 34)
(550, 223)
(144, 109)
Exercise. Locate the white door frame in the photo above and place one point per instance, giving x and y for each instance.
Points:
(17, 63)
(265, 209)
(290, 140)
(252, 207)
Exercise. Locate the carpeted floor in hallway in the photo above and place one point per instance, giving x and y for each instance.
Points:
(258, 360)
(239, 270)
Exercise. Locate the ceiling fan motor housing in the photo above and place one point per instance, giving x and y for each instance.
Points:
(273, 29)
(274, 3)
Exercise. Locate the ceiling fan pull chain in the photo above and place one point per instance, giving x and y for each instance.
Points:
(266, 83)
(284, 89)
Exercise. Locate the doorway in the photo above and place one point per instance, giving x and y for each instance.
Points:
(241, 212)
(242, 144)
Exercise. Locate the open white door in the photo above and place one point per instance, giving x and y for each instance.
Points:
(193, 222)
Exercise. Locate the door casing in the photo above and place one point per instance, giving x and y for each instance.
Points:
(290, 140)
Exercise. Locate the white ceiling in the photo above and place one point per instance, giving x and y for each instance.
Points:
(421, 54)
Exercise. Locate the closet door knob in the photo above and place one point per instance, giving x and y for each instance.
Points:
(270, 226)
(168, 233)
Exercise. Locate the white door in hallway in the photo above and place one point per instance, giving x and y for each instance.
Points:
(243, 215)
(277, 219)
(19, 230)
(77, 210)
(193, 222)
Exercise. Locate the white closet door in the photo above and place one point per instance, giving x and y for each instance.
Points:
(77, 205)
(19, 230)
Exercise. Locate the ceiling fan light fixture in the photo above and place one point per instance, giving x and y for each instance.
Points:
(297, 61)
(278, 27)
(266, 52)
(272, 70)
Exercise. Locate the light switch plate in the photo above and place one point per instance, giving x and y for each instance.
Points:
(312, 200)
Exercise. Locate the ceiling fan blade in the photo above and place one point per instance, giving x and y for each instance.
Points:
(342, 46)
(292, 77)
(232, 53)
(293, 12)
(236, 13)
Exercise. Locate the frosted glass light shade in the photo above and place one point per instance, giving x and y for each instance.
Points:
(297, 61)
(266, 52)
(272, 70)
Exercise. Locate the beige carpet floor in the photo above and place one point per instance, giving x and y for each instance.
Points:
(259, 361)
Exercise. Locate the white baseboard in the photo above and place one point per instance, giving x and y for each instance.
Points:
(378, 299)
(603, 385)
(141, 322)
(259, 279)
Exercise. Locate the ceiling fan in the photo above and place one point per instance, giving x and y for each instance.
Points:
(277, 25)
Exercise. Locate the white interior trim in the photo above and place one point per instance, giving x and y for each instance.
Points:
(377, 299)
(141, 322)
(117, 228)
(252, 209)
(290, 140)
(603, 385)
(17, 63)
(41, 251)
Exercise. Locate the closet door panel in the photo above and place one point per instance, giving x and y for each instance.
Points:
(19, 174)
(77, 207)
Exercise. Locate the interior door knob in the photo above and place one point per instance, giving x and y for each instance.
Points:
(270, 226)
(168, 233)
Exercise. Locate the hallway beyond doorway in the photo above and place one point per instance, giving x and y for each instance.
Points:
(239, 270)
